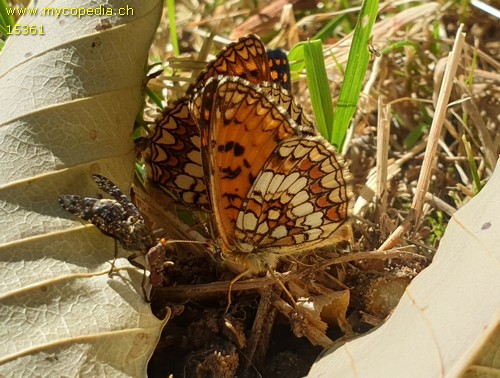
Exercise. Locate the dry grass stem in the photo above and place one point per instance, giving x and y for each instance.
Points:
(367, 193)
(432, 142)
(258, 342)
(383, 132)
(437, 123)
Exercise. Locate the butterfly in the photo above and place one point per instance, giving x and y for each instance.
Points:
(275, 186)
(173, 157)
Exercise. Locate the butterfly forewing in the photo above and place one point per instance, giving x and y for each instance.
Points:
(245, 58)
(239, 132)
(173, 157)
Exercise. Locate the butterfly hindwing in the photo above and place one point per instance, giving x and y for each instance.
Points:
(174, 159)
(299, 199)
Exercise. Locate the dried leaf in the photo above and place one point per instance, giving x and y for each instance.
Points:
(69, 99)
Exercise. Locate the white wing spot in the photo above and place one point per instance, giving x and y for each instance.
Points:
(303, 210)
(297, 186)
(330, 180)
(289, 180)
(314, 219)
(184, 181)
(263, 228)
(262, 184)
(285, 151)
(168, 139)
(279, 232)
(314, 234)
(273, 215)
(299, 198)
(249, 221)
(328, 166)
(298, 238)
(194, 170)
(300, 151)
(196, 140)
(194, 156)
(275, 183)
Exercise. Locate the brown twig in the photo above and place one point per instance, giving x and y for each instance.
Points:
(181, 293)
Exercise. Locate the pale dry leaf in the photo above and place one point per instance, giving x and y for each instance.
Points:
(447, 322)
(69, 99)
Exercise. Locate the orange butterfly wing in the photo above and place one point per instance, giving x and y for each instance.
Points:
(173, 157)
(245, 58)
(275, 187)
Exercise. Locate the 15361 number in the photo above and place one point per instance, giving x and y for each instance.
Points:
(25, 30)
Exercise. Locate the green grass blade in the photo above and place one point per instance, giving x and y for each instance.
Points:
(172, 27)
(398, 46)
(327, 31)
(158, 100)
(319, 89)
(5, 19)
(359, 56)
(296, 59)
(472, 165)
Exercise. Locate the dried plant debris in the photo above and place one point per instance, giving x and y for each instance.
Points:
(345, 294)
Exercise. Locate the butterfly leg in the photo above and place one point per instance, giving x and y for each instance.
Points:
(231, 283)
(282, 286)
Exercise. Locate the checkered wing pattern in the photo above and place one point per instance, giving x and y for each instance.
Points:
(284, 99)
(173, 158)
(245, 58)
(275, 187)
